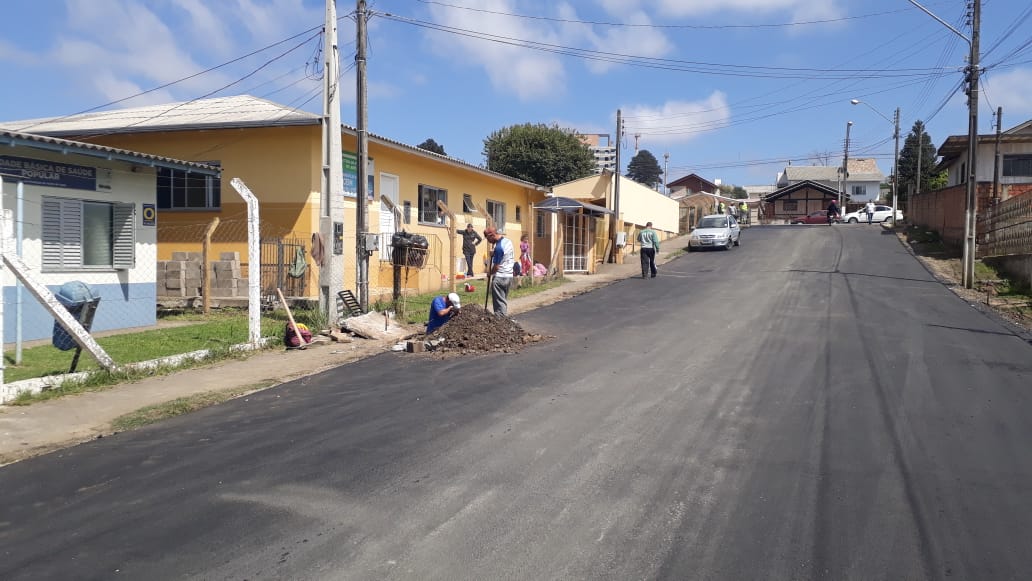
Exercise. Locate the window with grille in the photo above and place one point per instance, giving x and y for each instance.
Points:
(1017, 165)
(428, 198)
(859, 191)
(182, 190)
(791, 205)
(497, 212)
(85, 235)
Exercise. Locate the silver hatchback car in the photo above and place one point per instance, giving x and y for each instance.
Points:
(715, 231)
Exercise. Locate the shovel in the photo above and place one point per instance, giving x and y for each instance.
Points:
(487, 291)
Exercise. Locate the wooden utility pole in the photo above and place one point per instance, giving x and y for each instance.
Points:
(361, 126)
(451, 242)
(615, 228)
(206, 265)
(996, 157)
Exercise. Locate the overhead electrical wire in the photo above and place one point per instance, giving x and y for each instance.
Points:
(664, 26)
(719, 69)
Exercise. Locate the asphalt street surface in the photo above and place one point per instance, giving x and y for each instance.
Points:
(810, 405)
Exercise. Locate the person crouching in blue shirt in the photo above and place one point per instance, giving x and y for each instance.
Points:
(442, 309)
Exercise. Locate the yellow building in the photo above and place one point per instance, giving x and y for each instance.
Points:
(276, 151)
(584, 220)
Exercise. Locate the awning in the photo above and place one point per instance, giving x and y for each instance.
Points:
(571, 206)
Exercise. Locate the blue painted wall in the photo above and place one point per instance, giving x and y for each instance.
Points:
(121, 307)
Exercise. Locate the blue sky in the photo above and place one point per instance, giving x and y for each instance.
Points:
(731, 90)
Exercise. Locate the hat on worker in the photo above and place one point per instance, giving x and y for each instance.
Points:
(454, 299)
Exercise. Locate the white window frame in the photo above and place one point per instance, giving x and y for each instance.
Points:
(64, 235)
(427, 203)
(497, 212)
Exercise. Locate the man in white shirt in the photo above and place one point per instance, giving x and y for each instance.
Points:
(870, 211)
(502, 260)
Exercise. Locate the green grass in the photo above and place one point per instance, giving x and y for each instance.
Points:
(220, 332)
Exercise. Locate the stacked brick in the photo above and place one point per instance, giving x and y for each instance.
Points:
(181, 276)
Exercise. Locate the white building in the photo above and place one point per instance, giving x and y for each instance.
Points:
(861, 185)
(82, 212)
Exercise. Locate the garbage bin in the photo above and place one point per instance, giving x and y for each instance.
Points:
(80, 301)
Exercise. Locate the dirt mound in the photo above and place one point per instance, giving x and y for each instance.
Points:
(475, 330)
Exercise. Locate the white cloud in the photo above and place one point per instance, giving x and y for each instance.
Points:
(677, 121)
(1012, 91)
(527, 73)
(640, 41)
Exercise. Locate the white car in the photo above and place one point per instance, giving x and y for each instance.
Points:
(881, 214)
(715, 231)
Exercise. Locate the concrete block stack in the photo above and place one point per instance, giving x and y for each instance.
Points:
(181, 276)
(225, 275)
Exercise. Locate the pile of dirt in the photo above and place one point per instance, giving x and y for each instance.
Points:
(474, 330)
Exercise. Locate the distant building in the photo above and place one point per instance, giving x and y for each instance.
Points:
(692, 184)
(758, 191)
(862, 184)
(605, 154)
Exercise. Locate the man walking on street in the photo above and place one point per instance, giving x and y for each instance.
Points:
(649, 246)
(870, 211)
(470, 240)
(502, 260)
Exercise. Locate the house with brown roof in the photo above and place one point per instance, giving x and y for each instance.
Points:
(861, 184)
(691, 184)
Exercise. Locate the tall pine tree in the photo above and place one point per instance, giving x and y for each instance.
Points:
(644, 169)
(918, 142)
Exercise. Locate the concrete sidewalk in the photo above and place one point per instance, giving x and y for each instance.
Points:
(27, 431)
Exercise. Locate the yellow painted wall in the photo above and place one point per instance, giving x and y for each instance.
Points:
(282, 167)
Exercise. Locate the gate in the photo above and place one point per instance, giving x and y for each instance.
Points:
(283, 267)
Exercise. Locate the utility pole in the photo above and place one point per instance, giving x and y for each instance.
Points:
(972, 91)
(895, 172)
(972, 186)
(920, 154)
(996, 157)
(845, 168)
(331, 224)
(616, 186)
(666, 173)
(362, 134)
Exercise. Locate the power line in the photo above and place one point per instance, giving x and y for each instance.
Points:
(720, 69)
(668, 26)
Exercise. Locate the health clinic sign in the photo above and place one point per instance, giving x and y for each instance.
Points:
(56, 175)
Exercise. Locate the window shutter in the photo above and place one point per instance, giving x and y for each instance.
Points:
(124, 236)
(62, 234)
(51, 234)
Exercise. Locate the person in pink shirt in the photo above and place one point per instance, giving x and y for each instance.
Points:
(526, 267)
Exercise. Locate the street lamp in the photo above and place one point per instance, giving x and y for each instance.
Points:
(970, 209)
(895, 157)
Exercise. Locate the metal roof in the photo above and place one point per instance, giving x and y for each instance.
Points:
(221, 112)
(239, 111)
(12, 138)
(571, 206)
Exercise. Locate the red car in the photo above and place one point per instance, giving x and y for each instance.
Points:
(818, 217)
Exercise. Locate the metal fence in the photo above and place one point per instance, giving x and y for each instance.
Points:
(281, 265)
(1006, 228)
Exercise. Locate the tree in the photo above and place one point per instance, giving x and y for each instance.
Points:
(644, 169)
(908, 161)
(730, 191)
(542, 154)
(431, 145)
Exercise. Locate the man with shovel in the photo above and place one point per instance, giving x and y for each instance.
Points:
(500, 271)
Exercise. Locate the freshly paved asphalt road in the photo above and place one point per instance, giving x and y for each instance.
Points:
(811, 405)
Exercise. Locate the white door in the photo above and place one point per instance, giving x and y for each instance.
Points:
(388, 226)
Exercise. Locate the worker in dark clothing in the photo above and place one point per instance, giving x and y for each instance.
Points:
(833, 212)
(470, 239)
